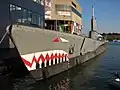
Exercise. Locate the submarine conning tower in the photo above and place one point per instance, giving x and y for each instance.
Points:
(93, 33)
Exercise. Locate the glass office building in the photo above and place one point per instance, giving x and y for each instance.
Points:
(25, 12)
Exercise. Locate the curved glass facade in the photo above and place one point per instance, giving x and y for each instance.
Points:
(25, 16)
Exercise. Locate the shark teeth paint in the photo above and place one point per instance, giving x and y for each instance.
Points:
(30, 60)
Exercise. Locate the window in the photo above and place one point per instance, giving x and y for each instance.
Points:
(76, 12)
(12, 12)
(34, 19)
(62, 7)
(42, 21)
(73, 4)
(18, 14)
(68, 8)
(37, 1)
(12, 7)
(39, 21)
(29, 17)
(18, 8)
(24, 18)
(63, 10)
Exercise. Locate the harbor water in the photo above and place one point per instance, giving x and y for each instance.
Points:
(92, 75)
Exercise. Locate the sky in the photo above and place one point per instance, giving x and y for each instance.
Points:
(107, 14)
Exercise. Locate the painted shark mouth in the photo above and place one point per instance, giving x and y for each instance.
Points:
(48, 58)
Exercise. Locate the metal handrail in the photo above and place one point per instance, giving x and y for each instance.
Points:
(7, 32)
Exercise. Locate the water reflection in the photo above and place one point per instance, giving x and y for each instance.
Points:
(58, 82)
(62, 85)
(75, 79)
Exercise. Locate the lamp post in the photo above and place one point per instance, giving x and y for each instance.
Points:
(64, 24)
